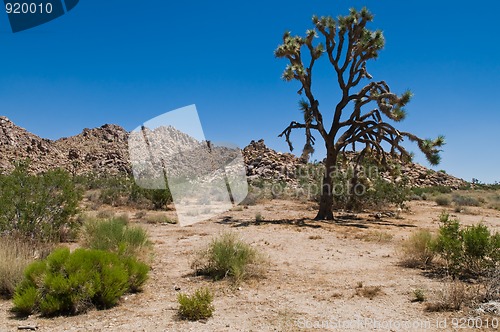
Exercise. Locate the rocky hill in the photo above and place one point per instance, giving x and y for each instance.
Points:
(100, 150)
(265, 163)
(105, 150)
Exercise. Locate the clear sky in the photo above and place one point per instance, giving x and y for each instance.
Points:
(124, 62)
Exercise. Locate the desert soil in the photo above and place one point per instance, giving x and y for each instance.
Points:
(312, 276)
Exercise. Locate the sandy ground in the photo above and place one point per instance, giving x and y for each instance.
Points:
(311, 281)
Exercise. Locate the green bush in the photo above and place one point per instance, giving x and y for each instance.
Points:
(472, 250)
(123, 191)
(476, 247)
(495, 247)
(368, 189)
(71, 283)
(449, 243)
(431, 190)
(259, 217)
(383, 193)
(356, 190)
(196, 307)
(418, 295)
(227, 256)
(39, 207)
(115, 235)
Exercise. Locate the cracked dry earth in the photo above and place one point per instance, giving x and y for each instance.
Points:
(314, 273)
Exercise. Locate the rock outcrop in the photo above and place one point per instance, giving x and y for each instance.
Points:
(105, 150)
(265, 163)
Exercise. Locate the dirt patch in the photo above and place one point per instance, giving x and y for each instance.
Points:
(314, 275)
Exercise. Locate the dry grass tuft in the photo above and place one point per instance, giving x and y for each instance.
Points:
(417, 250)
(15, 255)
(451, 298)
(368, 291)
(374, 236)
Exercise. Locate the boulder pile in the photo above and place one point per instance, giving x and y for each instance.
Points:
(104, 150)
(265, 163)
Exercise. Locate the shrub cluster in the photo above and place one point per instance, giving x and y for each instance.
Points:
(368, 189)
(38, 207)
(71, 283)
(123, 191)
(462, 200)
(470, 250)
(357, 188)
(197, 306)
(421, 191)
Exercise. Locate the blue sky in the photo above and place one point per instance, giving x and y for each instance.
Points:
(124, 62)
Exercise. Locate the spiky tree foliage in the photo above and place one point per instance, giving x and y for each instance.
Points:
(348, 45)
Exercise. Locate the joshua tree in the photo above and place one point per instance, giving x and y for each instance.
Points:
(348, 45)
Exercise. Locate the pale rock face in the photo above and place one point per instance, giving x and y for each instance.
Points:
(105, 150)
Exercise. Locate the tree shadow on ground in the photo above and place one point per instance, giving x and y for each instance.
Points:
(350, 220)
(353, 220)
(303, 222)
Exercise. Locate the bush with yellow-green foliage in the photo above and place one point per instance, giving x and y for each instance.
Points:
(197, 306)
(115, 235)
(228, 256)
(71, 283)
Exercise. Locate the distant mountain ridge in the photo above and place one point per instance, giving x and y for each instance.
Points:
(104, 150)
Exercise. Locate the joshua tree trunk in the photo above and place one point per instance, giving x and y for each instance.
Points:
(326, 201)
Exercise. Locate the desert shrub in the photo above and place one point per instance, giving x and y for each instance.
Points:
(451, 298)
(197, 306)
(160, 219)
(71, 283)
(39, 207)
(227, 256)
(368, 291)
(442, 201)
(259, 217)
(159, 198)
(115, 235)
(383, 193)
(472, 250)
(356, 189)
(448, 243)
(15, 255)
(418, 250)
(495, 247)
(476, 247)
(418, 295)
(431, 190)
(123, 191)
(461, 200)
